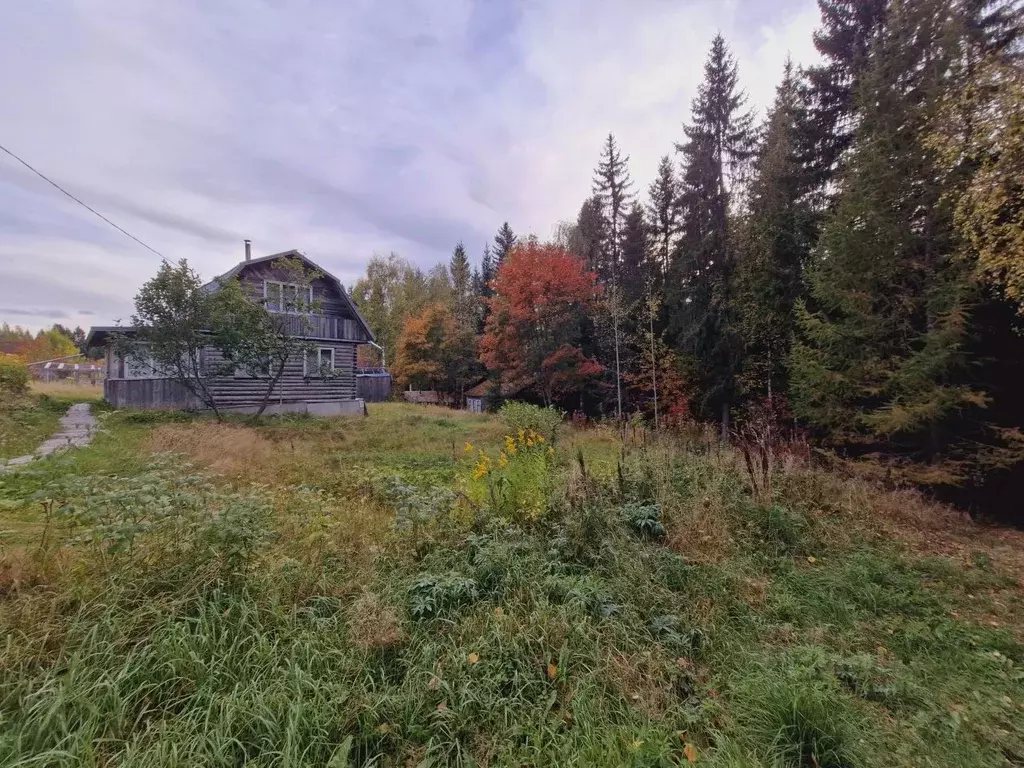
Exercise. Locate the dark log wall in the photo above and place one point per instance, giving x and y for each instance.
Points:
(165, 394)
(232, 392)
(293, 386)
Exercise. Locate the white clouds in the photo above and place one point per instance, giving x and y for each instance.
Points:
(338, 128)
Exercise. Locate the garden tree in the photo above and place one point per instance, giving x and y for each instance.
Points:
(663, 215)
(981, 126)
(773, 246)
(849, 29)
(699, 305)
(882, 360)
(177, 318)
(611, 189)
(172, 321)
(436, 350)
(504, 242)
(461, 279)
(537, 323)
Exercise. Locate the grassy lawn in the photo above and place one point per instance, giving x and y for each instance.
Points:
(429, 587)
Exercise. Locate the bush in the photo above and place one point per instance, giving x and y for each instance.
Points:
(13, 375)
(523, 417)
(515, 487)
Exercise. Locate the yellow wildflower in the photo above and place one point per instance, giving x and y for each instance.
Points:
(502, 460)
(468, 447)
(522, 436)
(540, 438)
(551, 451)
(510, 445)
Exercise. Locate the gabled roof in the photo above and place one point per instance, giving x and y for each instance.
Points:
(214, 284)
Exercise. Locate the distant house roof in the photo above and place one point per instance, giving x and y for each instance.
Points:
(215, 284)
(486, 388)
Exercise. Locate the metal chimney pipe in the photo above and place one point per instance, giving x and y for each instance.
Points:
(248, 250)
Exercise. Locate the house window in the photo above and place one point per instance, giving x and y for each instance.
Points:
(319, 362)
(287, 297)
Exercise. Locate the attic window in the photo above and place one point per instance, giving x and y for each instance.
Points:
(287, 297)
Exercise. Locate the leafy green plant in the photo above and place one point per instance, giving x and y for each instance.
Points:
(13, 375)
(416, 510)
(516, 486)
(431, 594)
(522, 417)
(644, 519)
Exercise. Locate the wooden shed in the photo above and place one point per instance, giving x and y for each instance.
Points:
(335, 330)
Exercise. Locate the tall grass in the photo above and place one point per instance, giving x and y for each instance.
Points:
(329, 602)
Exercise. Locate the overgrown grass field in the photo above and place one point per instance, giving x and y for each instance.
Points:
(429, 587)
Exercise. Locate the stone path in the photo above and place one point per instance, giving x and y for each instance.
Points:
(77, 427)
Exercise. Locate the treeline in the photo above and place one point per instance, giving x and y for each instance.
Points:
(855, 258)
(45, 344)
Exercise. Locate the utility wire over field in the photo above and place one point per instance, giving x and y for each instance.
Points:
(89, 208)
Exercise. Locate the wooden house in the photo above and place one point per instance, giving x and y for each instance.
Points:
(335, 330)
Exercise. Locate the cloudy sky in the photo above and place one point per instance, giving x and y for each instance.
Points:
(338, 127)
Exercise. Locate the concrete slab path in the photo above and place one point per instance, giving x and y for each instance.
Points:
(77, 428)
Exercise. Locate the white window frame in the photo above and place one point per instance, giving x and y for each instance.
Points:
(319, 357)
(280, 294)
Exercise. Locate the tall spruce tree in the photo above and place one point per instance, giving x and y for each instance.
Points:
(588, 237)
(458, 269)
(882, 361)
(483, 290)
(504, 242)
(663, 215)
(636, 273)
(718, 142)
(612, 190)
(848, 30)
(774, 243)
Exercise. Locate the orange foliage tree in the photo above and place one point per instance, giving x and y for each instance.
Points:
(435, 351)
(43, 345)
(542, 298)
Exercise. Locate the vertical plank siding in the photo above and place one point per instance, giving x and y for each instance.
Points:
(373, 387)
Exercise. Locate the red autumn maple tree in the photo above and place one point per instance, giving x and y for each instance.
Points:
(542, 297)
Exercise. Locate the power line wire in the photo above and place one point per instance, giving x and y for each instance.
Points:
(87, 207)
